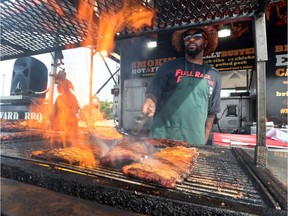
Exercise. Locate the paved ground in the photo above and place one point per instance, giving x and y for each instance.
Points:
(106, 123)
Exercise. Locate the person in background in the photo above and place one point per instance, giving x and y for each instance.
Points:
(184, 95)
(66, 106)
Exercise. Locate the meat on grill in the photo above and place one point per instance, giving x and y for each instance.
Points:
(124, 152)
(12, 126)
(166, 167)
(128, 150)
(85, 156)
(181, 159)
(159, 142)
(5, 136)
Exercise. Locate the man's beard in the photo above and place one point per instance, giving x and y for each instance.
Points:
(195, 51)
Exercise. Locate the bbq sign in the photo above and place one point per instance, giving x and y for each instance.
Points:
(21, 111)
(21, 115)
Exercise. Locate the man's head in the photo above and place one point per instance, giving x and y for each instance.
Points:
(195, 40)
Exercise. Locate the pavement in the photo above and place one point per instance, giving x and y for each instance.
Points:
(20, 199)
(105, 123)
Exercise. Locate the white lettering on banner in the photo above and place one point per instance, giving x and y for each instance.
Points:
(281, 60)
(9, 115)
(33, 116)
(144, 70)
(27, 115)
(137, 71)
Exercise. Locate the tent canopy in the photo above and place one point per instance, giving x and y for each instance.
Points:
(30, 27)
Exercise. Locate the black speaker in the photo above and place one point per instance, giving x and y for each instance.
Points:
(29, 75)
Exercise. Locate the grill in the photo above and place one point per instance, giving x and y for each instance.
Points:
(220, 184)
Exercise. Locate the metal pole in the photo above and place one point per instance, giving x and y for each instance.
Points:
(106, 82)
(261, 151)
(3, 86)
(108, 69)
(92, 53)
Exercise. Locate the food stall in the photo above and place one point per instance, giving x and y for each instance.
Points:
(223, 181)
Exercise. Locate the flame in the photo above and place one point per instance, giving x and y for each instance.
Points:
(85, 14)
(132, 14)
(66, 140)
(37, 117)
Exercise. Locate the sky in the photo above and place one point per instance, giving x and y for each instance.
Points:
(77, 66)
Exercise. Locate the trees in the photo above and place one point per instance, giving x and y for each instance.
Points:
(106, 109)
(91, 113)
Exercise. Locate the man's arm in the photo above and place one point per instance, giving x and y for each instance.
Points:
(208, 126)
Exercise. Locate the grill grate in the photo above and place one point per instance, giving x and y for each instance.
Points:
(218, 174)
(30, 27)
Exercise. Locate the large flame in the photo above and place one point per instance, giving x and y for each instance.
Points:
(133, 15)
(100, 33)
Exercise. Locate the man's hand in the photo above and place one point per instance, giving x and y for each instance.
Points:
(149, 107)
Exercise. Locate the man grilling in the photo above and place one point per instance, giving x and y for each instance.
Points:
(184, 96)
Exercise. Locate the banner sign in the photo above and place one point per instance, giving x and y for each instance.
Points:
(277, 64)
(139, 61)
(233, 53)
(240, 59)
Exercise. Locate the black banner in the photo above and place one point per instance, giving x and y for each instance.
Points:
(233, 53)
(276, 67)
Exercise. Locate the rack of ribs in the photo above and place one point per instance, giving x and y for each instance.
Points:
(128, 150)
(12, 126)
(124, 152)
(165, 167)
(160, 142)
(85, 156)
(27, 134)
